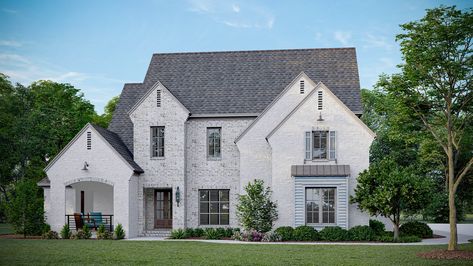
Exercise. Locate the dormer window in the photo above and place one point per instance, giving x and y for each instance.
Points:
(158, 98)
(89, 140)
(301, 87)
(319, 100)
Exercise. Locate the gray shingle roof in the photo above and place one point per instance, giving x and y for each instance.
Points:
(115, 141)
(240, 81)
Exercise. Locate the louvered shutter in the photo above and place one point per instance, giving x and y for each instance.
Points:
(308, 145)
(332, 146)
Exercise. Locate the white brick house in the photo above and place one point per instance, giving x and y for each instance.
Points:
(183, 144)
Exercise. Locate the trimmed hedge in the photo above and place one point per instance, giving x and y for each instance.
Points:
(361, 233)
(286, 233)
(377, 226)
(334, 233)
(305, 233)
(416, 228)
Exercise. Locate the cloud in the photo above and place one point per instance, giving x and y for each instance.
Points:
(10, 43)
(342, 36)
(11, 11)
(373, 41)
(232, 15)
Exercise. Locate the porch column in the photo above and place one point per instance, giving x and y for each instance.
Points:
(57, 211)
(125, 206)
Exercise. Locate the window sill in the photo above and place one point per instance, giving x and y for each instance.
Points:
(214, 158)
(157, 158)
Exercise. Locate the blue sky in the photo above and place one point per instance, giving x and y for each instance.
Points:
(99, 45)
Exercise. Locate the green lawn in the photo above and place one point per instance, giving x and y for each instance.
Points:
(13, 252)
(5, 229)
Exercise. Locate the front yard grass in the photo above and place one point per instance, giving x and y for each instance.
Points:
(13, 252)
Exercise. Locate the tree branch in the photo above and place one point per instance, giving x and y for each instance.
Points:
(462, 173)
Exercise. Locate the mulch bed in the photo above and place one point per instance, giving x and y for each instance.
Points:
(447, 255)
(13, 236)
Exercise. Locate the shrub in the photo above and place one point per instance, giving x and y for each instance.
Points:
(333, 233)
(305, 233)
(377, 226)
(50, 235)
(178, 234)
(211, 233)
(286, 233)
(119, 233)
(415, 228)
(229, 232)
(385, 238)
(361, 233)
(237, 235)
(221, 232)
(198, 232)
(409, 239)
(256, 236)
(189, 232)
(83, 233)
(65, 232)
(102, 233)
(271, 237)
(46, 228)
(255, 209)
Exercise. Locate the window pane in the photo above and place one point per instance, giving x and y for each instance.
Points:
(224, 207)
(214, 219)
(214, 195)
(204, 195)
(320, 145)
(204, 219)
(224, 195)
(204, 207)
(214, 207)
(309, 217)
(224, 219)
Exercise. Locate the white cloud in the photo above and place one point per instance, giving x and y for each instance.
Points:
(201, 6)
(236, 8)
(11, 11)
(373, 41)
(10, 43)
(342, 36)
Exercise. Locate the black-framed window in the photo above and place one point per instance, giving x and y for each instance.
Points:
(157, 141)
(320, 145)
(214, 140)
(214, 206)
(320, 205)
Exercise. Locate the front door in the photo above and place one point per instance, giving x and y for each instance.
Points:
(163, 208)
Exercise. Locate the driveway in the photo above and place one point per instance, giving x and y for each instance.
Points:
(464, 233)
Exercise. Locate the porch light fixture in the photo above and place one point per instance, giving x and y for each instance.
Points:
(85, 166)
(178, 196)
(320, 117)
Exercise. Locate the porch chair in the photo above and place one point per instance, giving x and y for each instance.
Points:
(78, 220)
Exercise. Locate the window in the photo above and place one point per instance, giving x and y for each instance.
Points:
(320, 145)
(214, 206)
(89, 140)
(157, 141)
(302, 86)
(320, 205)
(158, 98)
(320, 100)
(213, 142)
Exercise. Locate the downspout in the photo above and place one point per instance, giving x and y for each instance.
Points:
(185, 171)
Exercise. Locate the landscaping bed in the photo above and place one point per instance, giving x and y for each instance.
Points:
(447, 255)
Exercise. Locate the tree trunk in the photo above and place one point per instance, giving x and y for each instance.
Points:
(396, 231)
(452, 243)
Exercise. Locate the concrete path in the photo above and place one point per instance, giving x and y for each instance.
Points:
(465, 232)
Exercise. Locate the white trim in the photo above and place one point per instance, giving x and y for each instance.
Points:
(223, 115)
(288, 87)
(155, 86)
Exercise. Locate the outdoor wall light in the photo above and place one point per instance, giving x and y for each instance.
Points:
(178, 196)
(85, 166)
(320, 117)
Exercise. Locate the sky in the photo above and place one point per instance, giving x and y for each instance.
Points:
(97, 46)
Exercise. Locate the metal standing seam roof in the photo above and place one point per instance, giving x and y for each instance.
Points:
(238, 82)
(320, 170)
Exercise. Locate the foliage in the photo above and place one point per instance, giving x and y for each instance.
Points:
(212, 233)
(361, 233)
(377, 226)
(286, 233)
(271, 237)
(333, 233)
(83, 233)
(65, 232)
(179, 234)
(305, 233)
(102, 233)
(416, 228)
(387, 189)
(198, 232)
(104, 119)
(25, 210)
(86, 231)
(46, 228)
(119, 233)
(189, 232)
(437, 210)
(255, 210)
(221, 232)
(256, 236)
(237, 235)
(50, 235)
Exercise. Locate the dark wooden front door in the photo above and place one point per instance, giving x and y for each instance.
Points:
(163, 208)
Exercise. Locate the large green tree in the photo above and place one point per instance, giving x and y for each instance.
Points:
(104, 119)
(435, 84)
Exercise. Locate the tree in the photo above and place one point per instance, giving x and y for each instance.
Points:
(435, 84)
(104, 119)
(388, 189)
(25, 211)
(255, 209)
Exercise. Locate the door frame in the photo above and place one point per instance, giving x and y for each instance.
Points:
(170, 207)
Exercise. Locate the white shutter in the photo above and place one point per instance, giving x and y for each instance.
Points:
(308, 145)
(332, 146)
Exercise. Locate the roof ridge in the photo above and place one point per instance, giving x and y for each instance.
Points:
(256, 51)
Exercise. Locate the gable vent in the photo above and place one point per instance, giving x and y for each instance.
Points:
(320, 100)
(302, 86)
(89, 140)
(158, 98)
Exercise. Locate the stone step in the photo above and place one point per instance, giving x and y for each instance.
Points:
(157, 233)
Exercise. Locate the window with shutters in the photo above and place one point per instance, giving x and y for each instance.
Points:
(158, 98)
(157, 141)
(89, 140)
(319, 100)
(301, 85)
(320, 145)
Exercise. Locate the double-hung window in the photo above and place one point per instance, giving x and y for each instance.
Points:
(214, 142)
(214, 206)
(320, 205)
(320, 145)
(157, 141)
